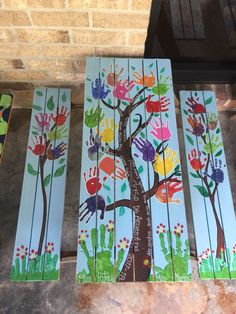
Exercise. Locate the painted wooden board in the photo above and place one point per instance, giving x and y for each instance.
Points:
(132, 223)
(36, 253)
(5, 114)
(212, 205)
(228, 9)
(187, 19)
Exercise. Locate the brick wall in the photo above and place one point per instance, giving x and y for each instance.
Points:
(44, 42)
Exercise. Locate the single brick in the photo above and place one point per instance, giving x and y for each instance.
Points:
(137, 38)
(60, 51)
(141, 5)
(16, 18)
(70, 19)
(124, 21)
(23, 75)
(42, 36)
(19, 51)
(55, 4)
(98, 4)
(99, 37)
(67, 77)
(7, 64)
(116, 51)
(6, 35)
(59, 65)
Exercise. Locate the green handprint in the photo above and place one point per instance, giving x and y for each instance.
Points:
(3, 126)
(57, 134)
(5, 101)
(163, 86)
(93, 118)
(211, 145)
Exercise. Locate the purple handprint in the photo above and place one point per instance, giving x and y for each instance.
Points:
(95, 148)
(57, 152)
(98, 89)
(160, 130)
(146, 148)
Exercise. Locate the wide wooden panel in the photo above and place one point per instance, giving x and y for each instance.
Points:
(212, 205)
(141, 234)
(37, 247)
(5, 113)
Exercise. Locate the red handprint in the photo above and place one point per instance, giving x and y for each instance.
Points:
(109, 166)
(113, 78)
(195, 162)
(43, 121)
(93, 184)
(122, 89)
(61, 117)
(39, 146)
(165, 192)
(157, 106)
(195, 106)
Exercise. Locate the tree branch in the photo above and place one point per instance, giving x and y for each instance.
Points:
(141, 127)
(112, 107)
(139, 93)
(124, 202)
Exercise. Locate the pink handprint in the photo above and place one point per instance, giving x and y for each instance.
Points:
(161, 130)
(43, 121)
(122, 89)
(109, 166)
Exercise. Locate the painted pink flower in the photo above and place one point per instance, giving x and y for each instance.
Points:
(124, 244)
(178, 229)
(82, 236)
(49, 247)
(205, 255)
(21, 251)
(161, 229)
(110, 226)
(33, 254)
(234, 249)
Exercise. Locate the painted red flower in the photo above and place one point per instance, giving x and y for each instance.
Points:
(124, 244)
(110, 226)
(21, 251)
(82, 236)
(161, 229)
(234, 249)
(33, 254)
(49, 247)
(178, 229)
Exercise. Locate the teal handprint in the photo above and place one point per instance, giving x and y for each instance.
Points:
(162, 87)
(93, 118)
(57, 134)
(211, 145)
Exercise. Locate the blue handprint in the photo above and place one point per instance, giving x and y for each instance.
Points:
(98, 89)
(146, 148)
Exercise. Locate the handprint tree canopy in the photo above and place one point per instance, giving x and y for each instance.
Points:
(131, 182)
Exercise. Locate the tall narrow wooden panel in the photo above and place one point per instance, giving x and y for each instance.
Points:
(36, 254)
(5, 113)
(212, 205)
(228, 9)
(139, 230)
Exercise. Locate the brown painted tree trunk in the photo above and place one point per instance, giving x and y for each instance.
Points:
(138, 262)
(43, 227)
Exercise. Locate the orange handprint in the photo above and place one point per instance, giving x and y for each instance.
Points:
(165, 193)
(109, 166)
(145, 80)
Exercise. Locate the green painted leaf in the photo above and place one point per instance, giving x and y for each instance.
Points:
(132, 67)
(217, 130)
(36, 107)
(121, 211)
(151, 65)
(123, 187)
(109, 101)
(195, 94)
(135, 120)
(208, 101)
(202, 190)
(162, 70)
(59, 172)
(39, 93)
(106, 187)
(166, 114)
(194, 175)
(31, 170)
(211, 184)
(190, 139)
(124, 103)
(140, 169)
(64, 97)
(204, 153)
(156, 114)
(142, 135)
(61, 161)
(35, 133)
(46, 181)
(185, 111)
(88, 79)
(89, 99)
(219, 153)
(50, 103)
(108, 200)
(177, 168)
(103, 74)
(155, 143)
(178, 174)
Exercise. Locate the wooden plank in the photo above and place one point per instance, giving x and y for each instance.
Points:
(187, 20)
(176, 16)
(233, 10)
(5, 114)
(228, 12)
(209, 184)
(39, 256)
(198, 25)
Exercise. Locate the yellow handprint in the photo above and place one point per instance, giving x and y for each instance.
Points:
(107, 130)
(171, 161)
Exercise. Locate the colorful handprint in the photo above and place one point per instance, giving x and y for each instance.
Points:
(211, 144)
(57, 134)
(93, 117)
(195, 160)
(109, 166)
(163, 87)
(171, 161)
(107, 130)
(61, 117)
(165, 192)
(146, 148)
(197, 126)
(43, 122)
(57, 152)
(99, 90)
(157, 106)
(212, 120)
(113, 77)
(121, 90)
(217, 174)
(95, 149)
(93, 204)
(93, 184)
(195, 106)
(39, 145)
(161, 130)
(146, 80)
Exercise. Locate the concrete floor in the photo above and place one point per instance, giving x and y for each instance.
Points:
(64, 296)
